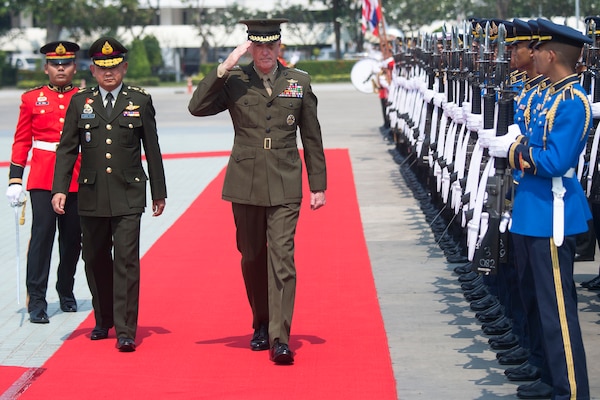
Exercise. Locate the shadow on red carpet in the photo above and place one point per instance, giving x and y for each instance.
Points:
(195, 323)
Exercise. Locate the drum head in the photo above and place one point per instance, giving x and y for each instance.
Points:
(363, 73)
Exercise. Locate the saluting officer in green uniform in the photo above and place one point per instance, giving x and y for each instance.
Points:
(109, 124)
(268, 103)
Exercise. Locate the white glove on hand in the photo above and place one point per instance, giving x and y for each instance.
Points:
(474, 122)
(439, 99)
(466, 109)
(458, 115)
(595, 110)
(499, 145)
(485, 135)
(15, 195)
(428, 95)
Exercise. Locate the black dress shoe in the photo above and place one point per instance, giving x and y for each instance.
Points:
(463, 269)
(524, 372)
(593, 281)
(498, 327)
(281, 353)
(484, 303)
(506, 343)
(491, 314)
(125, 345)
(38, 317)
(68, 304)
(594, 285)
(476, 294)
(475, 283)
(468, 277)
(535, 390)
(516, 356)
(260, 338)
(99, 333)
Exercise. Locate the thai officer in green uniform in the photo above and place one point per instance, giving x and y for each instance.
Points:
(109, 124)
(268, 103)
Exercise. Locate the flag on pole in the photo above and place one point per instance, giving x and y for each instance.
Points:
(371, 15)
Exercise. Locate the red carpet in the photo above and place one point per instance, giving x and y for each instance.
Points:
(195, 323)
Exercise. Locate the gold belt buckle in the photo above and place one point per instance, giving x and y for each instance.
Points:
(267, 143)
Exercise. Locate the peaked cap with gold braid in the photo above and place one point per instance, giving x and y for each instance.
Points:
(60, 52)
(107, 52)
(264, 30)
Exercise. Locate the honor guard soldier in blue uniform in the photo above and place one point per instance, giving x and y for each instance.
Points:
(550, 208)
(268, 103)
(594, 195)
(110, 123)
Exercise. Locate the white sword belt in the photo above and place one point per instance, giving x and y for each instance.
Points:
(558, 207)
(48, 146)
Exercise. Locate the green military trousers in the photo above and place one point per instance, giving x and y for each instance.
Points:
(265, 239)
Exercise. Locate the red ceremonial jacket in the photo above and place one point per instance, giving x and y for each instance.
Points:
(40, 125)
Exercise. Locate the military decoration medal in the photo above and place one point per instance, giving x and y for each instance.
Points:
(292, 90)
(131, 110)
(290, 119)
(41, 100)
(88, 111)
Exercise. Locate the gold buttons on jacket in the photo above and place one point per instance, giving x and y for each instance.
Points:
(62, 106)
(108, 170)
(108, 141)
(61, 120)
(108, 156)
(87, 126)
(130, 126)
(109, 127)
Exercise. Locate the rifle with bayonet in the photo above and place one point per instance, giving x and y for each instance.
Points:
(493, 246)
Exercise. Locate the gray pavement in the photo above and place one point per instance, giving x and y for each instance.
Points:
(436, 345)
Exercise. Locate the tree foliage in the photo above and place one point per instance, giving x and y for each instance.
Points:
(139, 65)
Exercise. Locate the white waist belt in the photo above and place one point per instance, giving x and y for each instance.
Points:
(48, 146)
(558, 207)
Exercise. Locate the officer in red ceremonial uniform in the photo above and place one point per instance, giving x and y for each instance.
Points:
(40, 125)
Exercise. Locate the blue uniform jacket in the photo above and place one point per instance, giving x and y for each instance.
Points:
(554, 141)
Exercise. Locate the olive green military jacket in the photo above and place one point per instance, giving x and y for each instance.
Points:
(265, 168)
(112, 180)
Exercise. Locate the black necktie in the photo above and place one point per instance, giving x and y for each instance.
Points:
(109, 104)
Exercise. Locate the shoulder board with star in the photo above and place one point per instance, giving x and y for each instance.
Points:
(138, 89)
(34, 88)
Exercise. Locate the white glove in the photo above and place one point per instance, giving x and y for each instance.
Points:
(439, 99)
(15, 195)
(499, 145)
(595, 110)
(466, 109)
(485, 135)
(449, 109)
(458, 115)
(428, 95)
(474, 122)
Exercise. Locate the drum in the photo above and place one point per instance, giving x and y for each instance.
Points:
(363, 73)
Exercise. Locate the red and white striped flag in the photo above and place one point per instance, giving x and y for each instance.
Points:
(371, 15)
